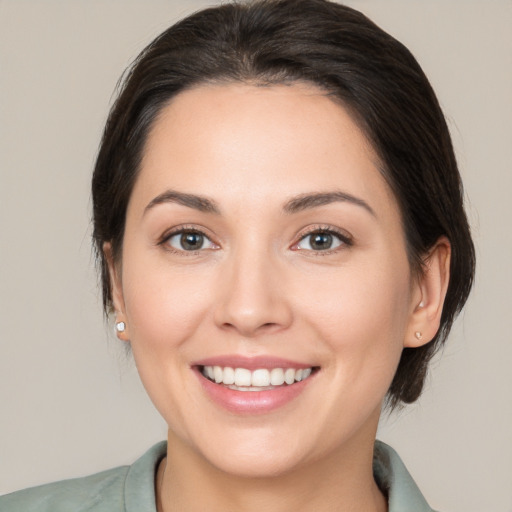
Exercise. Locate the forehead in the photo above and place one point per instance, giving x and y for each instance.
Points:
(255, 143)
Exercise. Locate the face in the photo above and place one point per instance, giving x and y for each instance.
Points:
(263, 245)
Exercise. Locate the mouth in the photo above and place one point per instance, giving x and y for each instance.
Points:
(260, 379)
(254, 385)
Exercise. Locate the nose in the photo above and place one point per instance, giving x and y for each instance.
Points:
(252, 297)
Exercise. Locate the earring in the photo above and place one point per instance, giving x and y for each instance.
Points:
(418, 335)
(120, 326)
(421, 304)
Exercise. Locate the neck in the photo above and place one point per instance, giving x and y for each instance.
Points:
(341, 482)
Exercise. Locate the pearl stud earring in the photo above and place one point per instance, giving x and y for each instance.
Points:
(418, 335)
(120, 326)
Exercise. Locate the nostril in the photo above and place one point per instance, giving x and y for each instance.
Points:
(250, 329)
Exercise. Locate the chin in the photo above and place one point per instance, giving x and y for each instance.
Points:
(258, 464)
(263, 452)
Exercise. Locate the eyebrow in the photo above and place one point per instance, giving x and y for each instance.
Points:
(307, 201)
(201, 203)
(294, 205)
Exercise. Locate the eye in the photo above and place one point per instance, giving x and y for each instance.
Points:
(189, 240)
(322, 240)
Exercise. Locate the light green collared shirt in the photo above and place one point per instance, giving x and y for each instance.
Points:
(132, 488)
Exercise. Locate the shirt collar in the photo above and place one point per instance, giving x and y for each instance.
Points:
(389, 471)
(394, 480)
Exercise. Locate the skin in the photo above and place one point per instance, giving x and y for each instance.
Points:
(257, 287)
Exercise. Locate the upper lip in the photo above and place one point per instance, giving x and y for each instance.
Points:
(251, 362)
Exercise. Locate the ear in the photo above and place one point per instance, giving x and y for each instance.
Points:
(117, 293)
(429, 294)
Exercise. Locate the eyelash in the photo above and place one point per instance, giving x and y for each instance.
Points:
(345, 239)
(180, 230)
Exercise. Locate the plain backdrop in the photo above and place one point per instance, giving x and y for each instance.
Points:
(70, 400)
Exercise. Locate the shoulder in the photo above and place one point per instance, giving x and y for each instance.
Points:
(395, 480)
(121, 489)
(102, 491)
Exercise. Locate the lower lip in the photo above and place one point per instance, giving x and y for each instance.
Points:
(251, 402)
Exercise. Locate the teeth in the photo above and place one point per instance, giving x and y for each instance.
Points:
(218, 374)
(260, 378)
(277, 377)
(289, 376)
(228, 376)
(243, 379)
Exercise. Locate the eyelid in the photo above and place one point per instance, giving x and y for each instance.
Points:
(342, 235)
(345, 237)
(185, 228)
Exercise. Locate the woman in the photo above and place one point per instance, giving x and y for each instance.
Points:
(279, 223)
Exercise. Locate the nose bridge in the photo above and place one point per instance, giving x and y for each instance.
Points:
(253, 297)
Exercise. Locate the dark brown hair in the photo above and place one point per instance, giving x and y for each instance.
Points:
(341, 51)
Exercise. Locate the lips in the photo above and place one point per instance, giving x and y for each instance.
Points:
(253, 385)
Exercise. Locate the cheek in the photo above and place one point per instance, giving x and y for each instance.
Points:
(164, 305)
(362, 314)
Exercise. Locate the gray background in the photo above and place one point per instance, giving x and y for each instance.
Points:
(71, 402)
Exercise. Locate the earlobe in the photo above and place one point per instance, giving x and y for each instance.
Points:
(116, 290)
(430, 295)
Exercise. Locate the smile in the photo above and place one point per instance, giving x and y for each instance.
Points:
(261, 379)
(254, 385)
